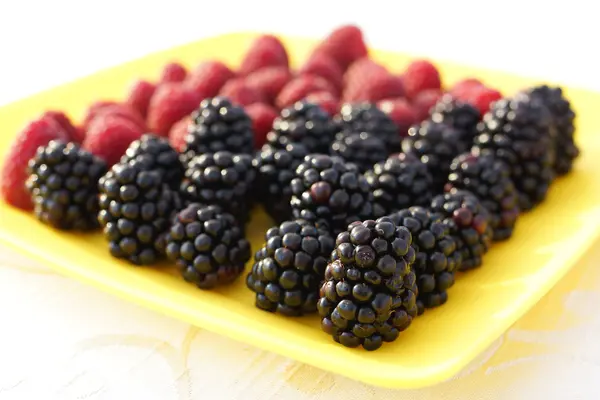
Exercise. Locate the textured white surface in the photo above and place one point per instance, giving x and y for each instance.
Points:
(64, 340)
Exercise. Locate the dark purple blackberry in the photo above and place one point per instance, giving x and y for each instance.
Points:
(155, 153)
(370, 291)
(367, 117)
(136, 208)
(218, 125)
(222, 179)
(436, 258)
(63, 183)
(563, 117)
(469, 224)
(326, 189)
(304, 123)
(517, 131)
(436, 144)
(275, 169)
(399, 182)
(488, 178)
(361, 149)
(207, 245)
(462, 116)
(289, 269)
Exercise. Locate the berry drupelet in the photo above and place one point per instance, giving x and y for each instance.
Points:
(275, 169)
(63, 183)
(207, 245)
(289, 269)
(462, 116)
(469, 224)
(399, 182)
(370, 292)
(436, 258)
(328, 190)
(488, 178)
(361, 149)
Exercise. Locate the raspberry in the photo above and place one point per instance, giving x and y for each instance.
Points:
(269, 81)
(239, 92)
(482, 98)
(262, 116)
(170, 103)
(401, 112)
(14, 172)
(265, 51)
(208, 78)
(298, 88)
(379, 86)
(74, 134)
(173, 72)
(109, 137)
(178, 132)
(104, 108)
(359, 72)
(345, 45)
(419, 76)
(139, 96)
(324, 66)
(461, 88)
(326, 101)
(424, 101)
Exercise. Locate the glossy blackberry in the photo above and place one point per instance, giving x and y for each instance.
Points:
(289, 269)
(207, 245)
(275, 169)
(218, 125)
(63, 183)
(488, 178)
(399, 182)
(155, 153)
(563, 117)
(136, 208)
(517, 131)
(367, 117)
(328, 189)
(361, 149)
(370, 291)
(469, 224)
(220, 178)
(436, 144)
(437, 258)
(462, 116)
(304, 123)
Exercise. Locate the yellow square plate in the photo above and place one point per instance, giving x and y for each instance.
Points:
(482, 304)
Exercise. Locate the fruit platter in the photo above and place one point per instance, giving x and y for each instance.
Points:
(380, 216)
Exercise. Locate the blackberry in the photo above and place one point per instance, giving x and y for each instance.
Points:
(220, 178)
(327, 189)
(462, 116)
(361, 149)
(436, 144)
(437, 258)
(136, 208)
(517, 131)
(399, 182)
(218, 125)
(469, 224)
(275, 170)
(563, 117)
(207, 245)
(304, 123)
(155, 153)
(289, 269)
(63, 183)
(488, 178)
(370, 291)
(367, 117)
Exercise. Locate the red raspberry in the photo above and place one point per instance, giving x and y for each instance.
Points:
(419, 76)
(173, 72)
(74, 134)
(360, 70)
(262, 116)
(109, 137)
(379, 86)
(269, 81)
(483, 97)
(324, 66)
(14, 173)
(104, 108)
(345, 45)
(465, 86)
(326, 100)
(178, 132)
(298, 88)
(139, 96)
(208, 78)
(424, 101)
(401, 112)
(265, 51)
(170, 103)
(239, 92)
